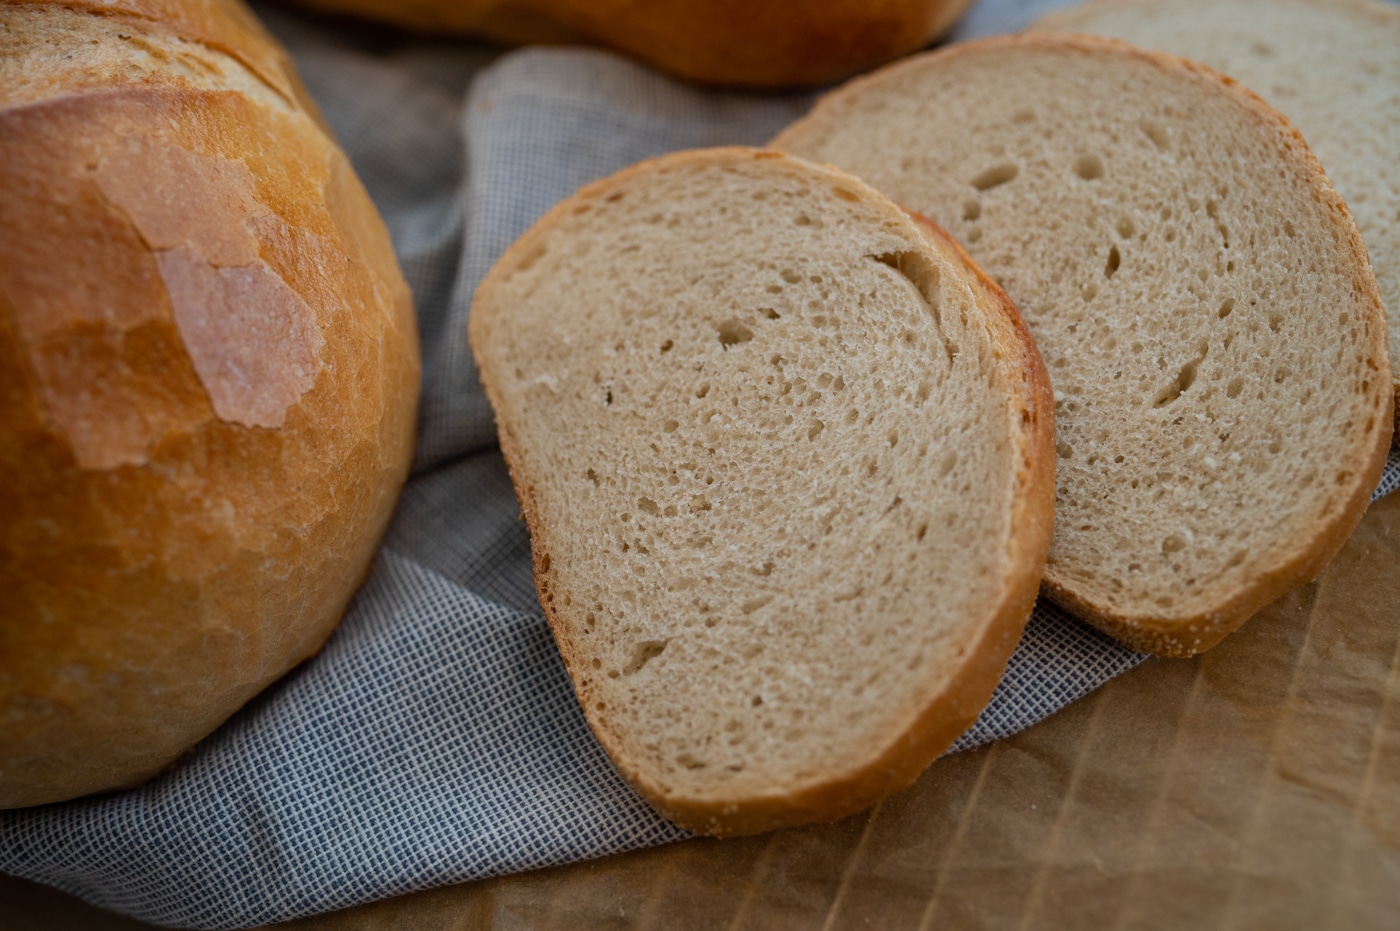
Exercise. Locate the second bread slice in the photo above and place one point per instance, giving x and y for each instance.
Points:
(1201, 295)
(787, 461)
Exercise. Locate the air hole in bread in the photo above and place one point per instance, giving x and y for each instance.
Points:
(845, 194)
(732, 333)
(972, 209)
(753, 604)
(1089, 167)
(815, 430)
(643, 653)
(1065, 450)
(771, 314)
(1226, 308)
(996, 176)
(1156, 132)
(670, 426)
(790, 276)
(1184, 380)
(1114, 260)
(1127, 228)
(1173, 544)
(689, 761)
(919, 271)
(666, 346)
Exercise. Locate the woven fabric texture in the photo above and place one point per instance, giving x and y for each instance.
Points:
(436, 738)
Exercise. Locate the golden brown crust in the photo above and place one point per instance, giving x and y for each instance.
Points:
(725, 42)
(225, 26)
(940, 718)
(1184, 636)
(177, 534)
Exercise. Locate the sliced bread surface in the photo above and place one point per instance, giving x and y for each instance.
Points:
(1212, 327)
(786, 457)
(1331, 66)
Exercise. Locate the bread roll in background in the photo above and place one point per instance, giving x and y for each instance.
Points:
(208, 378)
(742, 43)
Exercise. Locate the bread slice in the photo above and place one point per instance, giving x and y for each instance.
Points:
(786, 457)
(1331, 66)
(1199, 291)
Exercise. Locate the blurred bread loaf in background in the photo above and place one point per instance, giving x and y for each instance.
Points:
(741, 43)
(208, 379)
(1331, 66)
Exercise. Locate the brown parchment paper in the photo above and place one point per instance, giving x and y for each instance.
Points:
(1254, 787)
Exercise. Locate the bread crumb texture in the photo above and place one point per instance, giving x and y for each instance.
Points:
(1331, 66)
(208, 368)
(1211, 324)
(771, 445)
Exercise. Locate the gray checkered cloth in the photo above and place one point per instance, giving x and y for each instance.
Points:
(436, 739)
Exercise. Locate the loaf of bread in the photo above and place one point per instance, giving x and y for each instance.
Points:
(1331, 66)
(748, 43)
(208, 376)
(1212, 327)
(787, 461)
